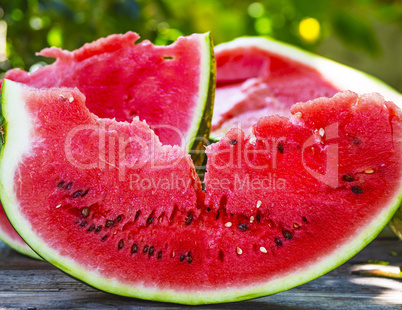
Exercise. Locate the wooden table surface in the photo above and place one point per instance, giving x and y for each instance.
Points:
(29, 284)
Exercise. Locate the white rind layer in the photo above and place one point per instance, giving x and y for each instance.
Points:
(20, 137)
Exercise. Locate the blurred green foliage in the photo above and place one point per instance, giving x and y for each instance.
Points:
(36, 24)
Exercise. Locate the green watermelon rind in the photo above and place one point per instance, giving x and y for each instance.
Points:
(199, 131)
(3, 235)
(207, 82)
(19, 141)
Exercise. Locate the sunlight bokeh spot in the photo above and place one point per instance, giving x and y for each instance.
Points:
(309, 29)
(255, 9)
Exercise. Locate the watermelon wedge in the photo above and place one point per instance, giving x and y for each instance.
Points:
(259, 76)
(107, 203)
(171, 87)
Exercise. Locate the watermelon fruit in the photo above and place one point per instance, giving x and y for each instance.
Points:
(260, 76)
(107, 203)
(171, 87)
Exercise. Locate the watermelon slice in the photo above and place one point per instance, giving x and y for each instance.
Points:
(171, 87)
(258, 76)
(107, 203)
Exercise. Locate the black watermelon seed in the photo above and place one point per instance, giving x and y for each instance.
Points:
(150, 220)
(280, 148)
(151, 251)
(60, 184)
(159, 254)
(121, 244)
(287, 234)
(357, 190)
(118, 219)
(242, 227)
(109, 223)
(84, 193)
(278, 242)
(189, 258)
(182, 256)
(85, 212)
(217, 215)
(221, 255)
(137, 214)
(304, 219)
(91, 228)
(83, 223)
(134, 248)
(104, 237)
(189, 219)
(146, 248)
(233, 142)
(348, 178)
(258, 217)
(69, 185)
(98, 228)
(208, 209)
(76, 194)
(356, 141)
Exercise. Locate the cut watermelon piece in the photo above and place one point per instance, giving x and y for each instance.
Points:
(171, 87)
(282, 207)
(259, 76)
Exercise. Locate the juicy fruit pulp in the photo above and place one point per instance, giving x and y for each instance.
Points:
(267, 221)
(171, 87)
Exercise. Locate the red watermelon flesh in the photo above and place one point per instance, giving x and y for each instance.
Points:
(252, 82)
(138, 225)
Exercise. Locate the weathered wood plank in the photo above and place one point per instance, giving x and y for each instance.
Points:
(25, 282)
